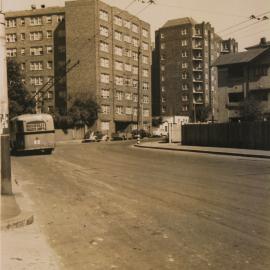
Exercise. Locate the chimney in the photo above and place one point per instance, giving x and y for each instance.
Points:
(42, 6)
(263, 42)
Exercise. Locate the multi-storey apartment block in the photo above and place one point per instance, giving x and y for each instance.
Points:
(113, 51)
(29, 40)
(183, 80)
(241, 76)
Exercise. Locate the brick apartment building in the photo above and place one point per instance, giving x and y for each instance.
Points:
(241, 75)
(30, 41)
(112, 46)
(183, 80)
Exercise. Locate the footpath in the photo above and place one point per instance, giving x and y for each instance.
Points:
(23, 244)
(207, 150)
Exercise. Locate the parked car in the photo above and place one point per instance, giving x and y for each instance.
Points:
(117, 137)
(94, 136)
(141, 132)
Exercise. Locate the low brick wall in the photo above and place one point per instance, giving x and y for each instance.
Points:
(248, 135)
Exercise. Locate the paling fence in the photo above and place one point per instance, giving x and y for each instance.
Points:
(248, 135)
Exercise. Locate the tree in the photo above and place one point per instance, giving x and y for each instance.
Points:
(202, 113)
(251, 109)
(156, 122)
(20, 101)
(83, 109)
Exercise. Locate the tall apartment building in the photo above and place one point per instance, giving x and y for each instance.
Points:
(114, 50)
(183, 79)
(30, 41)
(112, 46)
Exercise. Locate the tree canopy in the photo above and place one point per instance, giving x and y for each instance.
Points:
(20, 101)
(251, 109)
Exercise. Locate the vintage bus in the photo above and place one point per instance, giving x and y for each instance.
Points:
(30, 132)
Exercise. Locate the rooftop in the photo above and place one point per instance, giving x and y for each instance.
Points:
(180, 21)
(239, 58)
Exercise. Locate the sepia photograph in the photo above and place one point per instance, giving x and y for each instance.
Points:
(135, 134)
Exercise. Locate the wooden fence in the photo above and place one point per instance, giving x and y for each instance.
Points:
(248, 135)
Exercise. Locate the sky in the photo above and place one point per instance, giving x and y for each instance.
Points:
(221, 14)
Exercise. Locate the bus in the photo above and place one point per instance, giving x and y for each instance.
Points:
(29, 132)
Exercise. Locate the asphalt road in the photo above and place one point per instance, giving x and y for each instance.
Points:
(113, 206)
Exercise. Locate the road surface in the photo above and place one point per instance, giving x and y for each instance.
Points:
(113, 206)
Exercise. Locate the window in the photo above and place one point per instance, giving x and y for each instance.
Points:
(104, 46)
(145, 72)
(198, 31)
(162, 89)
(49, 49)
(22, 66)
(117, 20)
(105, 125)
(35, 21)
(163, 99)
(119, 95)
(105, 109)
(184, 65)
(128, 82)
(184, 42)
(128, 96)
(127, 38)
(184, 97)
(10, 23)
(118, 65)
(145, 86)
(22, 21)
(145, 99)
(104, 62)
(135, 56)
(184, 31)
(145, 59)
(49, 19)
(146, 113)
(128, 67)
(126, 24)
(135, 83)
(135, 42)
(105, 93)
(135, 70)
(184, 86)
(104, 31)
(135, 28)
(36, 35)
(162, 46)
(60, 18)
(38, 65)
(185, 108)
(162, 35)
(184, 54)
(145, 33)
(127, 53)
(119, 80)
(22, 51)
(118, 35)
(36, 50)
(184, 75)
(118, 50)
(128, 110)
(49, 95)
(22, 35)
(103, 15)
(135, 97)
(162, 67)
(135, 112)
(119, 110)
(163, 78)
(11, 52)
(36, 80)
(11, 37)
(49, 64)
(104, 78)
(145, 46)
(49, 34)
(163, 109)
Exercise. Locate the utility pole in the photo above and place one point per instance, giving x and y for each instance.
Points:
(139, 92)
(6, 187)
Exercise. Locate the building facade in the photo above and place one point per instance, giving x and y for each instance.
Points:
(241, 76)
(30, 41)
(183, 80)
(108, 49)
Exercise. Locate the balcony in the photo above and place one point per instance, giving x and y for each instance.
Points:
(196, 45)
(197, 79)
(197, 58)
(197, 90)
(198, 100)
(197, 35)
(198, 68)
